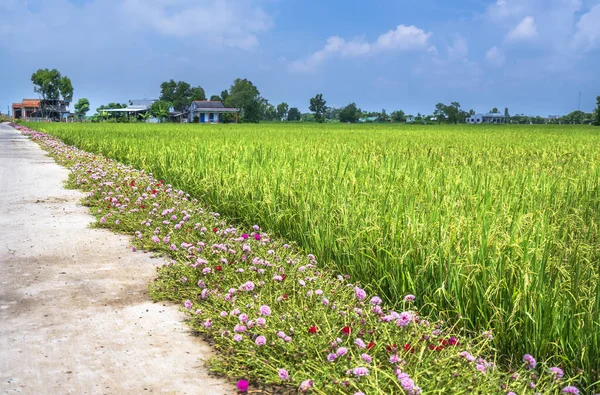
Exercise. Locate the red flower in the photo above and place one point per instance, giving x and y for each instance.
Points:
(132, 183)
(215, 230)
(453, 341)
(154, 191)
(439, 348)
(313, 329)
(218, 268)
(143, 207)
(371, 345)
(284, 296)
(431, 347)
(444, 342)
(391, 348)
(283, 276)
(407, 347)
(346, 330)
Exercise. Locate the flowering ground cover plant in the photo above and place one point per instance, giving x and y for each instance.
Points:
(276, 316)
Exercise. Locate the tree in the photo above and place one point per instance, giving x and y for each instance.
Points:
(350, 113)
(180, 94)
(494, 110)
(82, 107)
(506, 114)
(596, 116)
(294, 114)
(224, 95)
(51, 85)
(453, 112)
(398, 116)
(282, 110)
(317, 106)
(440, 110)
(160, 110)
(215, 98)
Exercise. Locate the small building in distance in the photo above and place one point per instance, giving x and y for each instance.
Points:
(495, 118)
(25, 109)
(206, 111)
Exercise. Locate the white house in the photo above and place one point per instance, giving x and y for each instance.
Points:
(486, 118)
(206, 111)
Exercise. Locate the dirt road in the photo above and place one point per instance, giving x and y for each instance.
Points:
(74, 313)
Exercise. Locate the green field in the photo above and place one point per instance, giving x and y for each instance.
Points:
(497, 224)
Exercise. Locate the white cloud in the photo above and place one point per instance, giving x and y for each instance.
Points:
(226, 22)
(459, 49)
(587, 35)
(525, 30)
(502, 9)
(495, 56)
(403, 38)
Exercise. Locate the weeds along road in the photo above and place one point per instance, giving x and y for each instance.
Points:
(74, 313)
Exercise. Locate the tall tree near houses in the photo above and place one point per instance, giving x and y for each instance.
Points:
(294, 114)
(317, 106)
(245, 96)
(180, 94)
(506, 114)
(596, 117)
(282, 110)
(82, 107)
(51, 85)
(215, 98)
(439, 112)
(494, 110)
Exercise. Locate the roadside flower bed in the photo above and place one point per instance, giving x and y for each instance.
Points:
(277, 317)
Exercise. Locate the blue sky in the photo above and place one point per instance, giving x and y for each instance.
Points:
(532, 56)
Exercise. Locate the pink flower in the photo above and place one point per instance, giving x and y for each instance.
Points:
(376, 300)
(404, 319)
(557, 373)
(306, 385)
(261, 341)
(242, 385)
(208, 323)
(224, 314)
(360, 293)
(243, 318)
(360, 371)
(341, 351)
(529, 361)
(394, 359)
(260, 321)
(155, 239)
(331, 357)
(570, 390)
(188, 304)
(360, 343)
(240, 328)
(237, 338)
(283, 374)
(366, 357)
(409, 298)
(257, 236)
(265, 310)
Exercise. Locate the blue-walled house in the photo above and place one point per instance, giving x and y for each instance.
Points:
(205, 111)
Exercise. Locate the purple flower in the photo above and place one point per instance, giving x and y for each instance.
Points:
(331, 357)
(242, 385)
(208, 323)
(376, 300)
(283, 374)
(261, 321)
(261, 341)
(529, 361)
(265, 310)
(570, 390)
(341, 351)
(306, 385)
(243, 318)
(557, 372)
(237, 338)
(366, 357)
(187, 304)
(360, 293)
(394, 358)
(404, 319)
(257, 236)
(409, 298)
(360, 343)
(360, 371)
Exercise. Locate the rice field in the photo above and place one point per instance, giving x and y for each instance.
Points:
(496, 224)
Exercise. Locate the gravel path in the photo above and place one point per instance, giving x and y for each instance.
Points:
(75, 316)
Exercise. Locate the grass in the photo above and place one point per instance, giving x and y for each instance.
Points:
(498, 225)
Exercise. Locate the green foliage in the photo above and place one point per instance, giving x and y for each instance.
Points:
(497, 225)
(264, 303)
(294, 114)
(245, 96)
(398, 116)
(597, 112)
(160, 110)
(51, 85)
(317, 106)
(180, 94)
(282, 111)
(82, 107)
(215, 98)
(350, 113)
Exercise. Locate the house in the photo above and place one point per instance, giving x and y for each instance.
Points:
(494, 118)
(206, 111)
(368, 119)
(135, 107)
(25, 109)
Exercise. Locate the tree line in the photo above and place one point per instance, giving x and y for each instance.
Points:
(254, 108)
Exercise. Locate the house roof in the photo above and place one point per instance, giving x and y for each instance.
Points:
(17, 105)
(31, 102)
(208, 104)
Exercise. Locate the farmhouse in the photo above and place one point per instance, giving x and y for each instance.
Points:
(486, 118)
(205, 111)
(25, 109)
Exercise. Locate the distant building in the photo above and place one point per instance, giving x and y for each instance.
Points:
(206, 111)
(495, 118)
(368, 119)
(25, 109)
